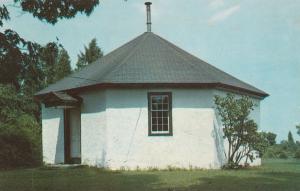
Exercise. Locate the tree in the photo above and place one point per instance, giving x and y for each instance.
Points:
(90, 55)
(56, 62)
(26, 67)
(240, 131)
(15, 52)
(20, 140)
(48, 56)
(52, 10)
(63, 66)
(298, 129)
(291, 141)
(271, 137)
(261, 142)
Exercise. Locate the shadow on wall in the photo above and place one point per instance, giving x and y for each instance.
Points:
(219, 143)
(60, 145)
(137, 98)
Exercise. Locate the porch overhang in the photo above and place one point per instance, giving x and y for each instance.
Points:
(61, 100)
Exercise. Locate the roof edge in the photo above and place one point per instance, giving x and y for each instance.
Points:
(162, 85)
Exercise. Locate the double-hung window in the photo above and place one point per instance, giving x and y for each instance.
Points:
(160, 113)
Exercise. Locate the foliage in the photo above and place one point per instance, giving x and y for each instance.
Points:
(291, 141)
(298, 129)
(261, 143)
(25, 68)
(10, 104)
(240, 131)
(90, 55)
(56, 62)
(63, 67)
(271, 137)
(270, 153)
(285, 149)
(20, 143)
(4, 14)
(282, 155)
(297, 154)
(52, 10)
(16, 57)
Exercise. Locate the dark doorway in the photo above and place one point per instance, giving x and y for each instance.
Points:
(72, 136)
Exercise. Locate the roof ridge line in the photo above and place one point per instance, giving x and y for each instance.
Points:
(128, 56)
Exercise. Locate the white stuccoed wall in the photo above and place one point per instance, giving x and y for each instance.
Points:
(53, 135)
(93, 128)
(114, 130)
(192, 143)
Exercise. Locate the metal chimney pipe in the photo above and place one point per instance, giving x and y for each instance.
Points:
(148, 9)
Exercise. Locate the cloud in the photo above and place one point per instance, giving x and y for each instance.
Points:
(216, 3)
(224, 14)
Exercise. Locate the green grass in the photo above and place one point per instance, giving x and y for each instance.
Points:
(273, 175)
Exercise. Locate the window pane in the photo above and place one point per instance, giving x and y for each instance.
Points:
(154, 127)
(165, 99)
(159, 106)
(159, 127)
(159, 120)
(165, 114)
(154, 121)
(154, 113)
(165, 127)
(165, 107)
(156, 99)
(165, 121)
(154, 106)
(159, 114)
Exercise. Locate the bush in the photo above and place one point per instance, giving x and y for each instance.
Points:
(270, 153)
(20, 143)
(297, 154)
(282, 155)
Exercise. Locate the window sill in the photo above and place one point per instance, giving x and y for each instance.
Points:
(161, 134)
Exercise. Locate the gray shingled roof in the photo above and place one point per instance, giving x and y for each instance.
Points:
(149, 59)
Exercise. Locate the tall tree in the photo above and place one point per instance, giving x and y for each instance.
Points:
(298, 129)
(48, 56)
(25, 67)
(56, 62)
(291, 141)
(90, 55)
(271, 137)
(63, 66)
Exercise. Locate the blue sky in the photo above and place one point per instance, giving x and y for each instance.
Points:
(257, 41)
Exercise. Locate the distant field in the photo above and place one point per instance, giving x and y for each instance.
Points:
(274, 175)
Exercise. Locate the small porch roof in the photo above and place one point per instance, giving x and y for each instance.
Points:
(61, 100)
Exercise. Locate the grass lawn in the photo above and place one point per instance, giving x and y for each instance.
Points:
(273, 175)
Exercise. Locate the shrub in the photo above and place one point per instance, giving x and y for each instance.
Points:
(297, 154)
(282, 155)
(20, 143)
(270, 153)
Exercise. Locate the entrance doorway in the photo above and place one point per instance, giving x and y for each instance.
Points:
(72, 135)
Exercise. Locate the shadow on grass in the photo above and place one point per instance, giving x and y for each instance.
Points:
(75, 179)
(278, 181)
(92, 179)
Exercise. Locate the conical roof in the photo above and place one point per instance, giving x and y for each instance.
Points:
(150, 61)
